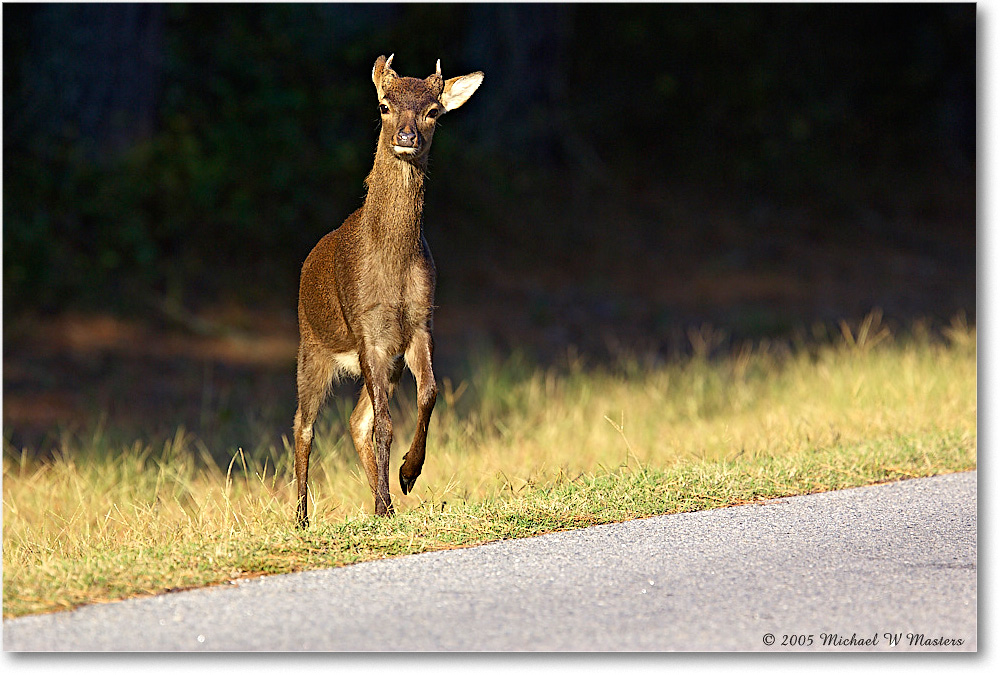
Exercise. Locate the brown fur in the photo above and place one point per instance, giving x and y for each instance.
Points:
(366, 293)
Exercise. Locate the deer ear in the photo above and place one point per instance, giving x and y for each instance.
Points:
(458, 90)
(382, 72)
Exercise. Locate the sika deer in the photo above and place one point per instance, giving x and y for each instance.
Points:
(366, 293)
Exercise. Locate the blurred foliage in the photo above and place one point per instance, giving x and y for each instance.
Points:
(789, 100)
(265, 124)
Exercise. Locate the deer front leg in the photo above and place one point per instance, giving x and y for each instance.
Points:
(377, 371)
(363, 428)
(362, 433)
(418, 359)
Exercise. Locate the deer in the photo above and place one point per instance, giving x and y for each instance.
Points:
(366, 290)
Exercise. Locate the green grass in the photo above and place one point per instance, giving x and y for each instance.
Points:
(514, 451)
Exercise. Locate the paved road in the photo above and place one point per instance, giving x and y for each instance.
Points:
(857, 564)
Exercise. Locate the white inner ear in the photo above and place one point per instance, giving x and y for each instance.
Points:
(460, 91)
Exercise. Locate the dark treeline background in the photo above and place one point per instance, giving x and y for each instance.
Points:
(625, 171)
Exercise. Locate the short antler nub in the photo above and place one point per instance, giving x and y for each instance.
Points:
(382, 73)
(435, 81)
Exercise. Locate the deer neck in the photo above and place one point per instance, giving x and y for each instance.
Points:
(394, 205)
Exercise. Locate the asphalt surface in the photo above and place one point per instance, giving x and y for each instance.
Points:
(843, 570)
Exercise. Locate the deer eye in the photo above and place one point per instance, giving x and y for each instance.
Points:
(383, 108)
(433, 113)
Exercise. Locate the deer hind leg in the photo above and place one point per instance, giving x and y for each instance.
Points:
(315, 372)
(371, 430)
(418, 360)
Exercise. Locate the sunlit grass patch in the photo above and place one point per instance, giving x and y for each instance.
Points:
(514, 451)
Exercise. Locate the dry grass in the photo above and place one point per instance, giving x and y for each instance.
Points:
(514, 451)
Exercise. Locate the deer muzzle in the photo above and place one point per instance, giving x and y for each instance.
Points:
(406, 141)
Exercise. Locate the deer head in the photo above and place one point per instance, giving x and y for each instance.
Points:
(410, 106)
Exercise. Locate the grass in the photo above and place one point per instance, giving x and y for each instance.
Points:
(514, 451)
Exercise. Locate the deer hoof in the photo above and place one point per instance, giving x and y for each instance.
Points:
(406, 482)
(383, 509)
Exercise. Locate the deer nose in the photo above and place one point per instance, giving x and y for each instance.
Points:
(406, 138)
